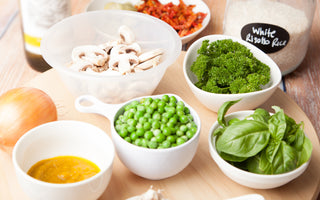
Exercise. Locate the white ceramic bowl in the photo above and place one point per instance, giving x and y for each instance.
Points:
(252, 180)
(213, 101)
(64, 138)
(98, 27)
(151, 164)
(200, 6)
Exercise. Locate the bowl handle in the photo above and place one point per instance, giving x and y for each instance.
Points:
(90, 104)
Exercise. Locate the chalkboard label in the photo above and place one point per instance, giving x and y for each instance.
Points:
(267, 37)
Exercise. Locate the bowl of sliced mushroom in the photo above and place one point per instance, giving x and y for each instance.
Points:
(114, 55)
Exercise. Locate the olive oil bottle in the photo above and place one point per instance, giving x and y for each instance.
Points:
(37, 16)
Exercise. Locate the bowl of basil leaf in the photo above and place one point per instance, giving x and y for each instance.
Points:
(259, 149)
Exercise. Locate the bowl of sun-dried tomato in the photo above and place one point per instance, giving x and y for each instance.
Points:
(187, 17)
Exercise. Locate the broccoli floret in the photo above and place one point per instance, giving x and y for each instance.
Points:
(225, 66)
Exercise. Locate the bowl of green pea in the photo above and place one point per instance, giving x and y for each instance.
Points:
(155, 137)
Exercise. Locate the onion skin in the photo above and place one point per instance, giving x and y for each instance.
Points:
(22, 109)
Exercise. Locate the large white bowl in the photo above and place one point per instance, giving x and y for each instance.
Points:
(98, 27)
(213, 101)
(200, 6)
(252, 180)
(61, 138)
(153, 164)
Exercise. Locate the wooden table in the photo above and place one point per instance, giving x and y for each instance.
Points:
(302, 85)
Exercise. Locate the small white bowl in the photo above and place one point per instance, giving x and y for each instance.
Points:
(61, 138)
(213, 101)
(153, 164)
(200, 6)
(245, 178)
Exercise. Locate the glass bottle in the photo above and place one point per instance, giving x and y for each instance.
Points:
(36, 17)
(280, 28)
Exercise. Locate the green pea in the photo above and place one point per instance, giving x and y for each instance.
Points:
(138, 142)
(166, 131)
(165, 98)
(161, 104)
(173, 120)
(164, 119)
(149, 110)
(186, 110)
(172, 103)
(154, 105)
(144, 142)
(167, 115)
(156, 116)
(193, 129)
(160, 137)
(180, 140)
(143, 120)
(160, 110)
(156, 132)
(141, 108)
(179, 133)
(140, 132)
(132, 122)
(133, 136)
(171, 138)
(148, 101)
(155, 124)
(138, 114)
(183, 128)
(123, 132)
(128, 139)
(131, 129)
(180, 112)
(184, 119)
(173, 99)
(189, 134)
(147, 125)
(152, 144)
(148, 135)
(134, 103)
(166, 144)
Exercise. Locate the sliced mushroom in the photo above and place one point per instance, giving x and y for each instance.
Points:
(132, 48)
(90, 53)
(109, 45)
(126, 34)
(149, 63)
(80, 65)
(124, 62)
(150, 54)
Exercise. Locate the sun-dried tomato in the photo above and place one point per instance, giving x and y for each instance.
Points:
(181, 17)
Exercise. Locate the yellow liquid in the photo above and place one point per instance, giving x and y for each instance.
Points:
(63, 169)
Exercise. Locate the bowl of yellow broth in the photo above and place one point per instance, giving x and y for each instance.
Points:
(65, 160)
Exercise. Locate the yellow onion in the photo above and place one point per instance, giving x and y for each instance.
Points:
(22, 109)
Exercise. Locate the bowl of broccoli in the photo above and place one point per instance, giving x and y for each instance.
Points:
(220, 68)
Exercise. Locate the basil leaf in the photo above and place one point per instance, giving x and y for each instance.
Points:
(272, 149)
(261, 115)
(218, 132)
(285, 159)
(231, 158)
(259, 164)
(223, 110)
(277, 124)
(305, 154)
(245, 138)
(299, 140)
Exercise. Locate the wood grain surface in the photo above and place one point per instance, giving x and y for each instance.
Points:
(202, 179)
(301, 86)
